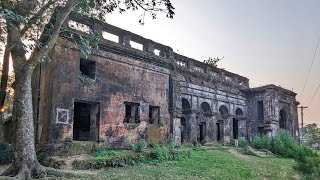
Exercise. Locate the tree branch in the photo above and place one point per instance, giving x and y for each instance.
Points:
(35, 17)
(61, 15)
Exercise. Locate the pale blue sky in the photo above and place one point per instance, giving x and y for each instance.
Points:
(270, 41)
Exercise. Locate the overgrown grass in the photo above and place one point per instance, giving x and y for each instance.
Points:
(101, 152)
(207, 164)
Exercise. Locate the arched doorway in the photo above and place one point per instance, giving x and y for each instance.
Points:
(186, 111)
(205, 112)
(283, 119)
(235, 123)
(235, 128)
(223, 110)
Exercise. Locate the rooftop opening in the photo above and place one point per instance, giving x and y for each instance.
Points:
(136, 45)
(110, 37)
(79, 26)
(157, 52)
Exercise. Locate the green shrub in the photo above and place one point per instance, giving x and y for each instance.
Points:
(112, 161)
(282, 144)
(6, 152)
(242, 142)
(164, 153)
(160, 152)
(308, 166)
(261, 142)
(102, 152)
(139, 146)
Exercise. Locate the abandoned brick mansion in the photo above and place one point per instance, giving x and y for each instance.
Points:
(133, 88)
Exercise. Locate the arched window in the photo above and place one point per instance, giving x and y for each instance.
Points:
(239, 112)
(223, 110)
(205, 107)
(185, 104)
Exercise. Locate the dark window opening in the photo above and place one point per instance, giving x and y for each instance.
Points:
(205, 107)
(223, 110)
(154, 114)
(218, 131)
(132, 112)
(186, 108)
(261, 131)
(201, 133)
(235, 129)
(260, 110)
(283, 119)
(183, 129)
(86, 121)
(88, 68)
(239, 112)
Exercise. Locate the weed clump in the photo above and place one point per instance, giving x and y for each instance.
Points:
(139, 146)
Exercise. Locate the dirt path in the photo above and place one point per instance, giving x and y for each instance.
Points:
(237, 154)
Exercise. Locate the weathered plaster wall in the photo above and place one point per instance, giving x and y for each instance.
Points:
(118, 79)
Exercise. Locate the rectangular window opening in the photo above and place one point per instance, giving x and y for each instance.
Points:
(132, 114)
(79, 26)
(88, 68)
(154, 114)
(260, 110)
(181, 63)
(136, 45)
(110, 37)
(157, 52)
(199, 69)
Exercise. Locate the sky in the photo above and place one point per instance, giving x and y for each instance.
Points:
(269, 42)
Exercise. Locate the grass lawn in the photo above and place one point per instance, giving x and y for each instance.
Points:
(206, 164)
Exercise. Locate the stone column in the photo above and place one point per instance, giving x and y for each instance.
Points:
(193, 127)
(177, 131)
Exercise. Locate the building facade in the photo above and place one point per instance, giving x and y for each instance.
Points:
(133, 88)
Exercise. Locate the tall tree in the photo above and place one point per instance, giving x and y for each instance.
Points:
(22, 24)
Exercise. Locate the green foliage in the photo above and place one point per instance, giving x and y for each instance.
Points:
(89, 43)
(118, 160)
(102, 152)
(164, 153)
(308, 166)
(160, 153)
(242, 142)
(171, 143)
(282, 144)
(12, 17)
(6, 152)
(85, 79)
(261, 142)
(139, 146)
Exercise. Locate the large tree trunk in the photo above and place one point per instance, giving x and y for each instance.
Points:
(26, 159)
(4, 75)
(25, 164)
